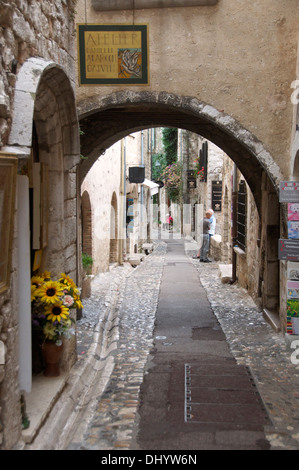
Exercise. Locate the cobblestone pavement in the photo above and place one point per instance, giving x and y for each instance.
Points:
(254, 343)
(113, 413)
(112, 416)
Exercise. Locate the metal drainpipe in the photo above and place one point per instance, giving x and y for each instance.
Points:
(122, 215)
(111, 5)
(234, 225)
(142, 188)
(125, 201)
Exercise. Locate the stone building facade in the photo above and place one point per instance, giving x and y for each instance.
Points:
(224, 72)
(39, 131)
(217, 191)
(227, 73)
(119, 210)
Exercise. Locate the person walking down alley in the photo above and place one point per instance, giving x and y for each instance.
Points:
(169, 221)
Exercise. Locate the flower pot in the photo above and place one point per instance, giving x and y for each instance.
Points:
(52, 354)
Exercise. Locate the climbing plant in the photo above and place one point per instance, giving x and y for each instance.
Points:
(170, 143)
(172, 178)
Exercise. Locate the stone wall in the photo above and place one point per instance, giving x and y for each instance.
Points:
(238, 56)
(32, 29)
(103, 185)
(248, 263)
(27, 29)
(101, 182)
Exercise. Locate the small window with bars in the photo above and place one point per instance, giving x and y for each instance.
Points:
(241, 215)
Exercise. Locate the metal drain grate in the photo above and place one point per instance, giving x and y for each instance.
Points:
(222, 394)
(187, 403)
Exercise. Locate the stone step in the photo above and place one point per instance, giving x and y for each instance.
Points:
(135, 259)
(148, 247)
(225, 272)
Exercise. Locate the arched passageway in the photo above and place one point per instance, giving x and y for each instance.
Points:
(45, 138)
(105, 120)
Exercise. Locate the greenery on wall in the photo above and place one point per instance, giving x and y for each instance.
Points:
(172, 178)
(165, 166)
(87, 262)
(170, 143)
(158, 165)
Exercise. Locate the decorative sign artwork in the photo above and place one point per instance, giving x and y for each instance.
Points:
(293, 221)
(293, 307)
(293, 299)
(217, 196)
(288, 250)
(289, 191)
(293, 271)
(113, 54)
(293, 211)
(191, 180)
(293, 230)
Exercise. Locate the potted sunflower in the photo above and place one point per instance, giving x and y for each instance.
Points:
(52, 301)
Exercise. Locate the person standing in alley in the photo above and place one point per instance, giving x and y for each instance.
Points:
(209, 224)
(205, 238)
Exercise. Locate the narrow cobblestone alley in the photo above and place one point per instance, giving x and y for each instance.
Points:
(195, 396)
(153, 353)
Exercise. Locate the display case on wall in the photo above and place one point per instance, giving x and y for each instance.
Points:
(8, 172)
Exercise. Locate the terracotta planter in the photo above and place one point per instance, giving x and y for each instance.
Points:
(52, 354)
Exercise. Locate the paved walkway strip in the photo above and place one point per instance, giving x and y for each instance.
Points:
(195, 395)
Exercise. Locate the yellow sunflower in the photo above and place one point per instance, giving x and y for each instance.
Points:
(78, 301)
(33, 292)
(50, 292)
(67, 280)
(37, 281)
(57, 312)
(46, 275)
(50, 331)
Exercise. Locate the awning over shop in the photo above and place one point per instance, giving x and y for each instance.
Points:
(154, 187)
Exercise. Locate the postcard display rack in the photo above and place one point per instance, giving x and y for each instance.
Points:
(289, 251)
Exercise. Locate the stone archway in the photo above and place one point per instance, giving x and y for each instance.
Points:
(44, 101)
(107, 119)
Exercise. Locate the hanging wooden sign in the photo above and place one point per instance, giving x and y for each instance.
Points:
(113, 54)
(288, 250)
(289, 191)
(217, 196)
